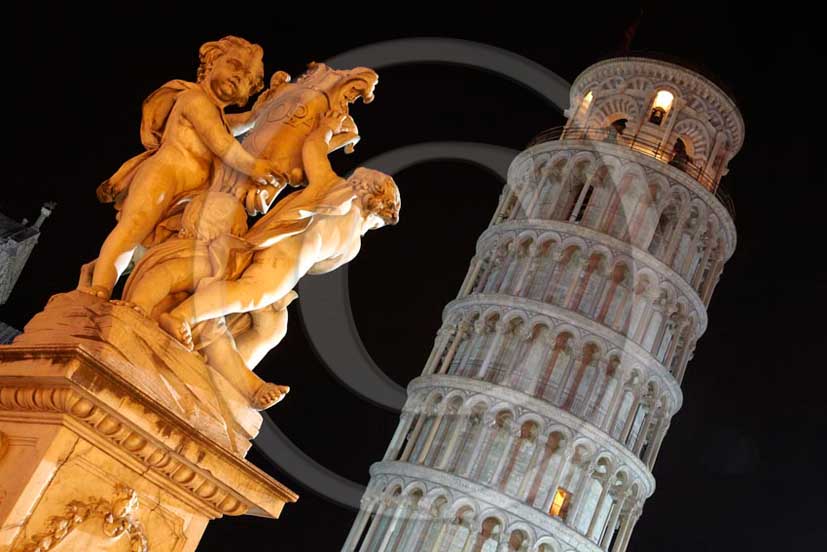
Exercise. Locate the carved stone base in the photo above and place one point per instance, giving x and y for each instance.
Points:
(106, 449)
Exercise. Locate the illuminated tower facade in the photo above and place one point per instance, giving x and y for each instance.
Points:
(552, 382)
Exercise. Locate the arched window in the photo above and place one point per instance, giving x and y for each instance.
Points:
(423, 437)
(483, 337)
(384, 515)
(663, 231)
(615, 129)
(572, 191)
(434, 533)
(517, 272)
(518, 541)
(489, 536)
(461, 528)
(615, 300)
(567, 270)
(680, 155)
(404, 525)
(551, 182)
(444, 433)
(602, 186)
(661, 106)
(537, 279)
(519, 458)
(494, 447)
(530, 349)
(604, 392)
(497, 268)
(464, 455)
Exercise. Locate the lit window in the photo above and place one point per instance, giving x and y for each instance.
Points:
(587, 100)
(560, 504)
(664, 100)
(662, 103)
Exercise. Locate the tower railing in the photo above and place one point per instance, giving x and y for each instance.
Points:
(656, 150)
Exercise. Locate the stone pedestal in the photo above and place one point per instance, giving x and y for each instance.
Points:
(114, 437)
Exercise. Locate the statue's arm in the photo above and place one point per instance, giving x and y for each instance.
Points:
(329, 265)
(206, 119)
(240, 122)
(243, 122)
(317, 167)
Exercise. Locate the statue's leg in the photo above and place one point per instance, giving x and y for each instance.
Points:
(269, 328)
(223, 357)
(145, 203)
(261, 285)
(169, 277)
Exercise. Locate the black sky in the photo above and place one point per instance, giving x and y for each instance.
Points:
(741, 467)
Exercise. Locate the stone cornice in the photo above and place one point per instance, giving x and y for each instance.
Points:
(638, 255)
(515, 510)
(629, 347)
(105, 408)
(670, 173)
(545, 410)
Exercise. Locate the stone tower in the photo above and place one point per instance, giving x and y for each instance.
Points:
(17, 240)
(540, 412)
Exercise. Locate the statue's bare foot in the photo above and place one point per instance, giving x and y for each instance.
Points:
(268, 395)
(100, 292)
(177, 328)
(285, 301)
(129, 304)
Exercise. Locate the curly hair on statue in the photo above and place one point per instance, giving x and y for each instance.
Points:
(209, 53)
(377, 193)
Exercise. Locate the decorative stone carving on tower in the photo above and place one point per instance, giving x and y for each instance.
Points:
(124, 423)
(552, 382)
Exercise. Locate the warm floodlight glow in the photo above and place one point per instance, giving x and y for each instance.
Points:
(663, 100)
(587, 100)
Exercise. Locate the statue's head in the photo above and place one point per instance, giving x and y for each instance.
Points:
(378, 197)
(232, 68)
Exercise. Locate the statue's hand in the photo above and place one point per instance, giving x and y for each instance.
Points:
(265, 172)
(332, 121)
(257, 198)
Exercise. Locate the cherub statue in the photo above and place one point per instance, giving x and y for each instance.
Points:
(208, 247)
(312, 231)
(185, 131)
(325, 222)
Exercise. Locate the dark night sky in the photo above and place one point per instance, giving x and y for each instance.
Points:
(741, 466)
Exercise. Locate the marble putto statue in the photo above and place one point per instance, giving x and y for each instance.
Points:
(200, 273)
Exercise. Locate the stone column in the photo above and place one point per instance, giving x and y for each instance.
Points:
(399, 437)
(368, 505)
(603, 492)
(460, 334)
(610, 525)
(513, 441)
(434, 362)
(382, 507)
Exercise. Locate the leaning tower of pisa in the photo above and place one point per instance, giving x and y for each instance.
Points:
(552, 382)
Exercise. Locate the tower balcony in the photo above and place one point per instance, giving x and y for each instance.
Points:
(674, 157)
